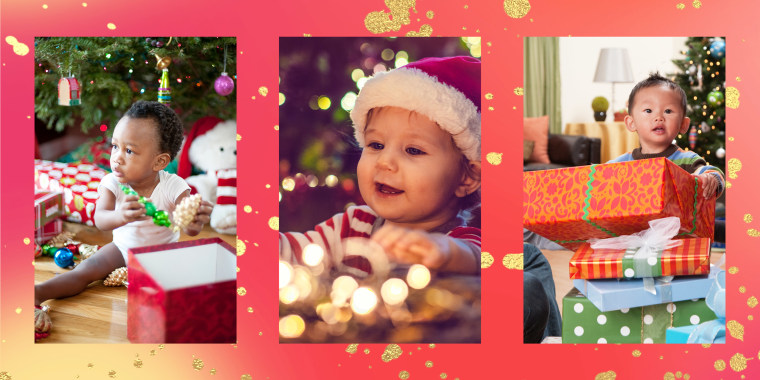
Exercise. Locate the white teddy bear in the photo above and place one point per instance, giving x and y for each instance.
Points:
(215, 152)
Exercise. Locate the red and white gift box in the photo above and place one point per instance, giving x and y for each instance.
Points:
(45, 233)
(182, 292)
(48, 206)
(78, 182)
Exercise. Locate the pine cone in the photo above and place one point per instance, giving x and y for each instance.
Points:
(117, 278)
(185, 211)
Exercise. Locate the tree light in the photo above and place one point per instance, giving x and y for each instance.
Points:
(394, 291)
(363, 301)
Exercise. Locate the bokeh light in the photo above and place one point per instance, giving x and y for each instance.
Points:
(387, 54)
(331, 180)
(394, 291)
(360, 83)
(342, 289)
(313, 254)
(291, 326)
(289, 294)
(286, 274)
(357, 74)
(288, 184)
(363, 301)
(348, 101)
(418, 276)
(282, 98)
(324, 102)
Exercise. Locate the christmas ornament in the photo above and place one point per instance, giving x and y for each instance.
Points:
(720, 153)
(68, 91)
(224, 85)
(704, 127)
(692, 69)
(718, 48)
(162, 62)
(693, 137)
(117, 278)
(160, 217)
(63, 258)
(185, 211)
(715, 98)
(87, 250)
(42, 323)
(164, 92)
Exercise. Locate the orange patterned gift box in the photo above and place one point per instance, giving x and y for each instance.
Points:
(574, 204)
(690, 258)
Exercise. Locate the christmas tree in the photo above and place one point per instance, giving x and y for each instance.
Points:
(703, 77)
(114, 72)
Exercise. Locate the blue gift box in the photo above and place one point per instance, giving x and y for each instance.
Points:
(681, 335)
(616, 294)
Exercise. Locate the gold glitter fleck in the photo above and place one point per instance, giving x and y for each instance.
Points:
(351, 349)
(430, 14)
(429, 364)
(680, 6)
(90, 365)
(732, 97)
(197, 364)
(705, 345)
(19, 48)
(247, 209)
(237, 269)
(733, 270)
(519, 91)
(735, 328)
(246, 377)
(719, 365)
(742, 289)
(513, 261)
(747, 218)
(5, 376)
(486, 260)
(403, 375)
(696, 4)
(307, 34)
(276, 127)
(432, 345)
(516, 8)
(18, 310)
(738, 79)
(730, 138)
(609, 375)
(261, 333)
(752, 301)
(366, 351)
(392, 351)
(489, 96)
(425, 31)
(44, 6)
(753, 232)
(84, 5)
(494, 158)
(738, 362)
(380, 22)
(728, 185)
(111, 26)
(686, 376)
(241, 291)
(240, 247)
(444, 375)
(749, 317)
(263, 91)
(138, 363)
(238, 137)
(112, 374)
(250, 309)
(466, 6)
(161, 346)
(274, 223)
(636, 353)
(267, 186)
(213, 371)
(669, 376)
(734, 166)
(27, 241)
(490, 108)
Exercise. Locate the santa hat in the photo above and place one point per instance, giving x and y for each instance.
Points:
(446, 90)
(203, 125)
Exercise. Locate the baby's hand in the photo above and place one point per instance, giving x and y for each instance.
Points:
(710, 184)
(413, 246)
(202, 217)
(132, 210)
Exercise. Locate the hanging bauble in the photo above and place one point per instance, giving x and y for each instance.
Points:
(162, 62)
(720, 153)
(63, 258)
(69, 92)
(718, 49)
(692, 69)
(715, 98)
(693, 137)
(164, 92)
(224, 85)
(704, 127)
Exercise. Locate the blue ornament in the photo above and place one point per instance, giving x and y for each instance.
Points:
(64, 258)
(718, 49)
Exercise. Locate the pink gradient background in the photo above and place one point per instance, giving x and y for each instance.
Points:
(258, 26)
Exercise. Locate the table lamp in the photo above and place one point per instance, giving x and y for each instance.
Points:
(614, 66)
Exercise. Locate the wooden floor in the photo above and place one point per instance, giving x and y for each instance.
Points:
(99, 314)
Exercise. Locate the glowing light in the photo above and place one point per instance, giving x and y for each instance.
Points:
(130, 71)
(342, 289)
(280, 199)
(289, 294)
(401, 62)
(108, 56)
(313, 103)
(357, 74)
(348, 101)
(282, 98)
(324, 102)
(286, 273)
(179, 80)
(387, 54)
(418, 276)
(313, 254)
(360, 83)
(394, 291)
(312, 180)
(302, 281)
(402, 54)
(288, 184)
(379, 68)
(475, 51)
(363, 301)
(331, 180)
(291, 326)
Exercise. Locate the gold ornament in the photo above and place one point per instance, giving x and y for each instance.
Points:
(87, 250)
(117, 278)
(162, 62)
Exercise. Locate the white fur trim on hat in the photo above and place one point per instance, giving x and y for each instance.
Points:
(415, 90)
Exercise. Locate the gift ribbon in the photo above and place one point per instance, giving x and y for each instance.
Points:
(708, 331)
(694, 213)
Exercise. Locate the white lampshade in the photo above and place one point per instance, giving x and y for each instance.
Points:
(613, 66)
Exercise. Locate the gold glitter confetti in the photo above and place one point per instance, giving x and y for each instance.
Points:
(44, 6)
(392, 351)
(90, 365)
(274, 223)
(736, 329)
(444, 375)
(494, 158)
(213, 371)
(733, 270)
(669, 376)
(27, 241)
(238, 137)
(696, 4)
(18, 310)
(609, 375)
(490, 108)
(425, 31)
(429, 364)
(5, 376)
(241, 291)
(19, 48)
(197, 364)
(112, 374)
(430, 14)
(680, 6)
(161, 346)
(263, 91)
(250, 309)
(432, 345)
(111, 26)
(351, 349)
(245, 377)
(138, 363)
(747, 218)
(276, 127)
(366, 351)
(719, 365)
(734, 166)
(84, 5)
(742, 289)
(636, 353)
(489, 96)
(513, 261)
(519, 91)
(240, 247)
(403, 375)
(247, 209)
(732, 97)
(516, 8)
(381, 22)
(753, 232)
(486, 260)
(738, 362)
(752, 301)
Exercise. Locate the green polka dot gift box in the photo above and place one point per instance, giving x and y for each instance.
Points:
(582, 322)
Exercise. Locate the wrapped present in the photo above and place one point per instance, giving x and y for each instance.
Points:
(681, 335)
(182, 293)
(48, 206)
(48, 231)
(616, 294)
(574, 204)
(78, 182)
(582, 322)
(712, 331)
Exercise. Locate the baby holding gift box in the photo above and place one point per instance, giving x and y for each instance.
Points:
(419, 171)
(144, 142)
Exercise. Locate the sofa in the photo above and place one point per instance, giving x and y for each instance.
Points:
(569, 150)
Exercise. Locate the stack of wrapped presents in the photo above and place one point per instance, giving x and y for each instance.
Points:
(641, 232)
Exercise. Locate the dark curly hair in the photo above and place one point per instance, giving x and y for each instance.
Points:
(655, 79)
(170, 130)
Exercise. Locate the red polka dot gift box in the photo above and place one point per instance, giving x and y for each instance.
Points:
(78, 182)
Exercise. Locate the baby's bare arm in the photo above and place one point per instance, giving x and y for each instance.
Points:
(109, 217)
